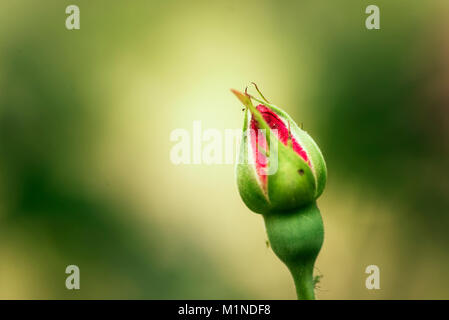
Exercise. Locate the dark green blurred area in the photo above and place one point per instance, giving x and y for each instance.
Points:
(377, 104)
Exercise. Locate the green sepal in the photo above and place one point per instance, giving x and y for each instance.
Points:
(293, 184)
(248, 183)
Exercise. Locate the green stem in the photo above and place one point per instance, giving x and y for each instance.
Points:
(296, 238)
(303, 278)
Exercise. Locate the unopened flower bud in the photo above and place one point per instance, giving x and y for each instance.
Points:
(299, 174)
(280, 174)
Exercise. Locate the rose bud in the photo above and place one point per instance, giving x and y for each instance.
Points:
(280, 174)
(301, 171)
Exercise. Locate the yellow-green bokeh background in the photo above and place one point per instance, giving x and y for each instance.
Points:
(85, 119)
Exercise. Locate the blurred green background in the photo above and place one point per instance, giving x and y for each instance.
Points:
(85, 120)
